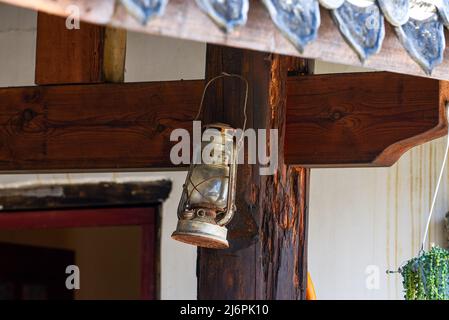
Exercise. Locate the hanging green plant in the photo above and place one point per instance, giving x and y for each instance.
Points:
(426, 277)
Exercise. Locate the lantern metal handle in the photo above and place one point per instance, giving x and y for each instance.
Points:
(223, 75)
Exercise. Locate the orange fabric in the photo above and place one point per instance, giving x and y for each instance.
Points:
(310, 292)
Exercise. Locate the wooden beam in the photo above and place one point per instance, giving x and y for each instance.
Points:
(114, 55)
(68, 56)
(184, 20)
(83, 195)
(332, 120)
(91, 54)
(94, 127)
(273, 209)
(361, 119)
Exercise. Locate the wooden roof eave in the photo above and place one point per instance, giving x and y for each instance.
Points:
(184, 20)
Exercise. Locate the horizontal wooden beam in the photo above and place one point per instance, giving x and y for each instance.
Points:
(184, 20)
(361, 119)
(332, 120)
(99, 126)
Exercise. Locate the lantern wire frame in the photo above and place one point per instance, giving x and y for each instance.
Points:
(232, 172)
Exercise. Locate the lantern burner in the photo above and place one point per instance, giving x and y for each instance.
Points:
(201, 234)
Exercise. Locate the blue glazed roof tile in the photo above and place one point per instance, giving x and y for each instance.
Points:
(419, 24)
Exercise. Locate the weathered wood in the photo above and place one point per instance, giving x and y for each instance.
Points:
(104, 126)
(91, 195)
(68, 55)
(333, 120)
(183, 19)
(273, 264)
(362, 119)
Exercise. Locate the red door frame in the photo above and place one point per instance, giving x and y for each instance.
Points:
(146, 217)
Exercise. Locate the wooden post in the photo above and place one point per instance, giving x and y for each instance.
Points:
(271, 265)
(90, 54)
(114, 55)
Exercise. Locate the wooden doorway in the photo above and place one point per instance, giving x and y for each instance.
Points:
(49, 277)
(94, 206)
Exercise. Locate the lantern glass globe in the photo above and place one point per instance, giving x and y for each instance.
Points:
(208, 186)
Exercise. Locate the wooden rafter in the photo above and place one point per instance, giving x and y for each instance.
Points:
(184, 20)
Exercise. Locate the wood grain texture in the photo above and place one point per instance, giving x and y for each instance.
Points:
(93, 127)
(68, 55)
(184, 20)
(363, 119)
(332, 120)
(267, 236)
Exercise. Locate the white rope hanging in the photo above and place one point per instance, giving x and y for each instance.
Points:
(435, 194)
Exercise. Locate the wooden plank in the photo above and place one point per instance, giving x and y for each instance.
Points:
(94, 127)
(68, 55)
(184, 20)
(87, 218)
(332, 121)
(83, 195)
(273, 209)
(91, 54)
(362, 119)
(114, 55)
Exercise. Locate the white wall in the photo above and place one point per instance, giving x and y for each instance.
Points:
(17, 46)
(358, 217)
(372, 217)
(151, 58)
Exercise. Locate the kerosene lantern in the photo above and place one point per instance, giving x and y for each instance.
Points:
(207, 203)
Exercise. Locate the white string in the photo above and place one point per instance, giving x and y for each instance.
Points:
(436, 191)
